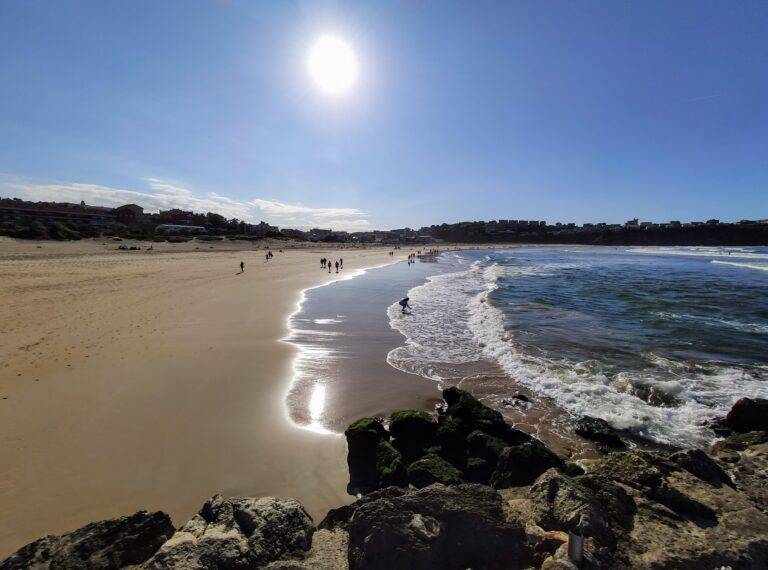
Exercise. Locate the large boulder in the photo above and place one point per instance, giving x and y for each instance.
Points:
(413, 432)
(451, 439)
(390, 469)
(433, 469)
(521, 464)
(466, 408)
(748, 414)
(437, 527)
(363, 438)
(242, 532)
(599, 430)
(596, 509)
(701, 465)
(687, 516)
(113, 543)
(485, 447)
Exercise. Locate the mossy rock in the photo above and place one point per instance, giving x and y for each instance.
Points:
(485, 446)
(744, 440)
(433, 469)
(363, 438)
(413, 431)
(478, 470)
(464, 406)
(390, 468)
(466, 409)
(521, 464)
(451, 438)
(366, 428)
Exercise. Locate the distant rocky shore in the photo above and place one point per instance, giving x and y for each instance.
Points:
(462, 489)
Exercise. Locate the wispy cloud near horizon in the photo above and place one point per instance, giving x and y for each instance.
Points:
(164, 195)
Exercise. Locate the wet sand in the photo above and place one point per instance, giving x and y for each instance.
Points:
(151, 381)
(342, 374)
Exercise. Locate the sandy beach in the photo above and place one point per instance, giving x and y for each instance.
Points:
(151, 380)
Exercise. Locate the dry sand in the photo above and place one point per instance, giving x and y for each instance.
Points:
(151, 380)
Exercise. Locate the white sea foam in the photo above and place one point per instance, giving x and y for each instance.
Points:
(454, 321)
(713, 321)
(759, 266)
(701, 251)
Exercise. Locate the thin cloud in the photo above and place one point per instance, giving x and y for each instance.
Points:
(703, 98)
(164, 195)
(281, 209)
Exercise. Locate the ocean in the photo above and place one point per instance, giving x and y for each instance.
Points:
(655, 340)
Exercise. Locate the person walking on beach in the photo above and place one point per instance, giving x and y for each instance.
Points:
(337, 267)
(328, 263)
(341, 263)
(322, 263)
(242, 267)
(404, 304)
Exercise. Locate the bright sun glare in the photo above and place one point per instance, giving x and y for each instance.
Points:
(332, 65)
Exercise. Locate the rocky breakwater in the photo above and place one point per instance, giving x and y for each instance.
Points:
(462, 489)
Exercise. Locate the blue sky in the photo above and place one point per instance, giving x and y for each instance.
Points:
(558, 110)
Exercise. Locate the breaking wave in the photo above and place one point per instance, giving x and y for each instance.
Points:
(472, 317)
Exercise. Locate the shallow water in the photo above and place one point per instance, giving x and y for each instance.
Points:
(654, 340)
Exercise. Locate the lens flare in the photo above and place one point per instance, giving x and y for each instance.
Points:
(332, 65)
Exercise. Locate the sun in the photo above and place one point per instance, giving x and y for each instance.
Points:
(332, 65)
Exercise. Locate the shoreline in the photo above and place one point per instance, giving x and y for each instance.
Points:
(291, 334)
(143, 381)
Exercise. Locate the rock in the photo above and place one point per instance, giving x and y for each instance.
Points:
(451, 437)
(698, 463)
(413, 431)
(485, 446)
(437, 527)
(596, 509)
(113, 543)
(741, 441)
(478, 470)
(390, 469)
(337, 518)
(719, 426)
(682, 520)
(547, 544)
(747, 467)
(599, 430)
(433, 469)
(748, 414)
(363, 438)
(465, 407)
(522, 464)
(242, 532)
(558, 564)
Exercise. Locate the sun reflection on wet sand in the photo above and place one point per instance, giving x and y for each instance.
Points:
(316, 408)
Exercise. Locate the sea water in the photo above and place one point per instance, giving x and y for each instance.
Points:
(655, 340)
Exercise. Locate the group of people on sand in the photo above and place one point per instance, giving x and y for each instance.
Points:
(324, 262)
(267, 256)
(411, 258)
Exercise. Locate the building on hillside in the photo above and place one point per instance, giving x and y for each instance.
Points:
(179, 229)
(298, 234)
(633, 223)
(175, 216)
(318, 234)
(129, 214)
(68, 213)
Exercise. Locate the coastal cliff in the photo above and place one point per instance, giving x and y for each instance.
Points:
(463, 489)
